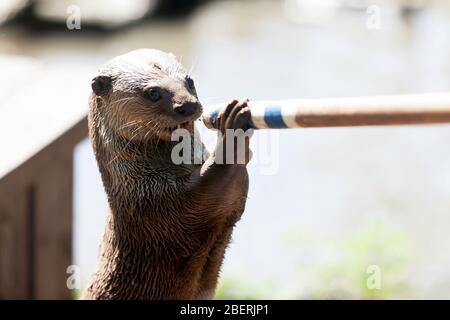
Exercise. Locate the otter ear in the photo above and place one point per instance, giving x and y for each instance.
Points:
(101, 85)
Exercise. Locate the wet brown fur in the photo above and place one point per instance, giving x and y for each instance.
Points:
(168, 225)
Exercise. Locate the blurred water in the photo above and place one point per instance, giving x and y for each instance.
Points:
(342, 199)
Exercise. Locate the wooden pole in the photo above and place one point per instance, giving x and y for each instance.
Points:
(339, 112)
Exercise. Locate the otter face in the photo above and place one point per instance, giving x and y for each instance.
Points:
(146, 94)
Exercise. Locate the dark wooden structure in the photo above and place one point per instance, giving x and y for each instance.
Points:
(42, 118)
(36, 222)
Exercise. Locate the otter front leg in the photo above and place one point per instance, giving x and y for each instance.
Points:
(231, 154)
(223, 183)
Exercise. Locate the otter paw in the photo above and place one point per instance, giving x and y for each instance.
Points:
(235, 116)
(234, 123)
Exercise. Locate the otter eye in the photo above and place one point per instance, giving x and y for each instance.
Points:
(153, 94)
(190, 83)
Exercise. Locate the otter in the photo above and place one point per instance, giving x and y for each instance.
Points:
(168, 225)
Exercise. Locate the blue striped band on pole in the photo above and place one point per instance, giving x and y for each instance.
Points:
(273, 117)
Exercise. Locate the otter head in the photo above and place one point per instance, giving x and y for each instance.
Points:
(145, 94)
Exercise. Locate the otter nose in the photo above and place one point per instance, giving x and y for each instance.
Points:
(186, 109)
